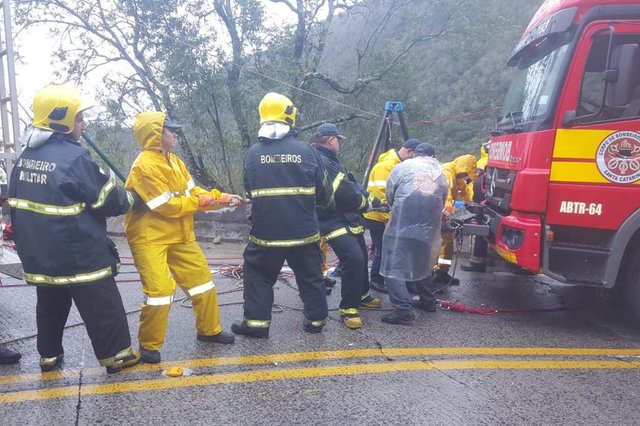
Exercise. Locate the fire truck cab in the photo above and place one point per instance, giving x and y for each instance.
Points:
(563, 176)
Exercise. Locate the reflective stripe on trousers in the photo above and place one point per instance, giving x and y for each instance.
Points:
(201, 289)
(159, 301)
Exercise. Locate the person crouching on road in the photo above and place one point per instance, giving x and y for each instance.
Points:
(416, 189)
(59, 202)
(341, 226)
(162, 240)
(459, 174)
(285, 178)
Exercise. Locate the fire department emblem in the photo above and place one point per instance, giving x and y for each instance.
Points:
(618, 157)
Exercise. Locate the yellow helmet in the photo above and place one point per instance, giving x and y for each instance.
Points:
(55, 108)
(277, 107)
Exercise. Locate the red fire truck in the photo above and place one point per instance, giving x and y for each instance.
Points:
(563, 177)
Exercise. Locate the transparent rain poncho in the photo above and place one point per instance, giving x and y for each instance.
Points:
(416, 189)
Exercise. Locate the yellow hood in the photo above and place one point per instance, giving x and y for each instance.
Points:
(484, 158)
(466, 164)
(148, 129)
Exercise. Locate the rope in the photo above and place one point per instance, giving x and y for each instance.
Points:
(482, 310)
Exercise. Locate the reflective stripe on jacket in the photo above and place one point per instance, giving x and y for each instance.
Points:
(285, 179)
(344, 211)
(165, 185)
(59, 201)
(377, 184)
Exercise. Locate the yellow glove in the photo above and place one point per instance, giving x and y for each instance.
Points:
(215, 193)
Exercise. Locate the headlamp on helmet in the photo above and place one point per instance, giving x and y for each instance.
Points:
(275, 107)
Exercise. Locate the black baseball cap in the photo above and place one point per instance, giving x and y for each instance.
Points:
(411, 144)
(171, 125)
(425, 149)
(328, 129)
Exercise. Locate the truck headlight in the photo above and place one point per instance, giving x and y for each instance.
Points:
(513, 238)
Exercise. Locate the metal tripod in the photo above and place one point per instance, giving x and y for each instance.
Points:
(384, 134)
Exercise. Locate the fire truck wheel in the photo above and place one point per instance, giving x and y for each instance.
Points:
(629, 292)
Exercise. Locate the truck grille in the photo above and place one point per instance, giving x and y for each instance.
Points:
(499, 184)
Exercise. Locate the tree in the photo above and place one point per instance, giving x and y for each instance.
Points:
(141, 34)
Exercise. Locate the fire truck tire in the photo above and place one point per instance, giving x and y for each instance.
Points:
(629, 292)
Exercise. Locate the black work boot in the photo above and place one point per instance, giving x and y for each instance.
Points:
(377, 286)
(329, 282)
(442, 277)
(8, 356)
(243, 329)
(398, 317)
(149, 356)
(49, 364)
(424, 306)
(474, 267)
(313, 326)
(223, 337)
(126, 362)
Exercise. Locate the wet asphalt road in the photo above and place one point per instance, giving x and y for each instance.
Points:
(578, 365)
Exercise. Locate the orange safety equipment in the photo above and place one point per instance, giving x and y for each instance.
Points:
(161, 237)
(204, 201)
(275, 107)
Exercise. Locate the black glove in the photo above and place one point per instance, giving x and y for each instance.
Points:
(384, 208)
(375, 204)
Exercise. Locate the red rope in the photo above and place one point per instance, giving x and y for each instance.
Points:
(482, 310)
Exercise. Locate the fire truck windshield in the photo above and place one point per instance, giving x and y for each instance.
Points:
(533, 89)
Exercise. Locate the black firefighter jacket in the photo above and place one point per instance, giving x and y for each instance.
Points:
(285, 179)
(59, 202)
(344, 211)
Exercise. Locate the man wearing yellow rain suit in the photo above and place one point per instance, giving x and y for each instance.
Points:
(459, 173)
(478, 258)
(162, 240)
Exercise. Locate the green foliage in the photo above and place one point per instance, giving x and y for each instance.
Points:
(445, 59)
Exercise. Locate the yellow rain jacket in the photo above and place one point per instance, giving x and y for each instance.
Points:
(458, 188)
(482, 163)
(484, 159)
(377, 184)
(164, 183)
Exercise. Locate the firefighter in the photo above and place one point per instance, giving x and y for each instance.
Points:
(341, 226)
(324, 247)
(459, 173)
(417, 190)
(59, 202)
(375, 221)
(478, 258)
(161, 238)
(285, 178)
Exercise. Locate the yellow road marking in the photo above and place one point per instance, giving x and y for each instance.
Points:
(328, 355)
(304, 373)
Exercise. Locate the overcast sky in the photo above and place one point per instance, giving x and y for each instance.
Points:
(34, 46)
